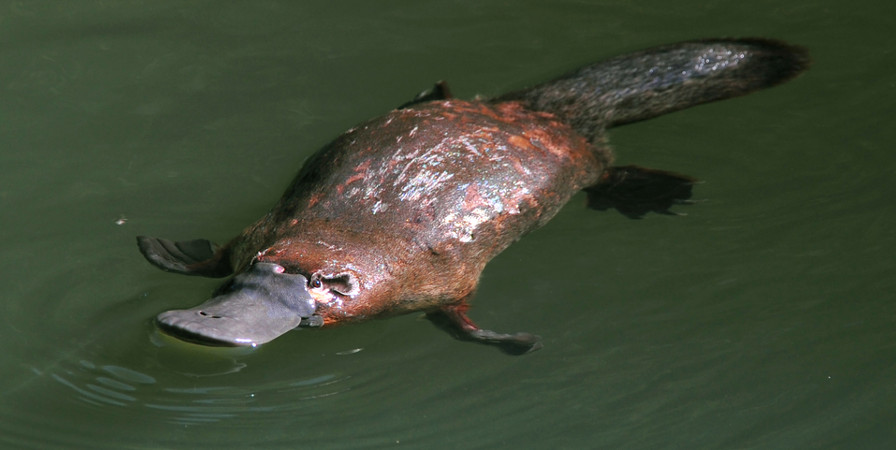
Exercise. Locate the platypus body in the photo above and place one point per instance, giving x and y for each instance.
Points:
(402, 212)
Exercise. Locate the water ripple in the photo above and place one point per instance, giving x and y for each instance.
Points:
(187, 402)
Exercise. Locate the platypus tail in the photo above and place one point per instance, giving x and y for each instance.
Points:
(646, 84)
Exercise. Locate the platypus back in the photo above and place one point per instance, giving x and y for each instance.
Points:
(646, 84)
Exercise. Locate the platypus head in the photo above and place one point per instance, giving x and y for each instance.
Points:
(254, 307)
(283, 287)
(260, 303)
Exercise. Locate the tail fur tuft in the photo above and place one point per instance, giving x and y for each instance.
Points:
(646, 84)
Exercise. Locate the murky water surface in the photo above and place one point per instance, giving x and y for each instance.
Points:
(764, 318)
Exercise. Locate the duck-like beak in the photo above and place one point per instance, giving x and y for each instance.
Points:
(255, 307)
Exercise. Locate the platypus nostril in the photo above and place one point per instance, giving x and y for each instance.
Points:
(205, 314)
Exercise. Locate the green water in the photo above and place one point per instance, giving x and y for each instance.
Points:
(764, 318)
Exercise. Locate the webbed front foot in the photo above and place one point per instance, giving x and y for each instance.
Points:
(197, 257)
(454, 320)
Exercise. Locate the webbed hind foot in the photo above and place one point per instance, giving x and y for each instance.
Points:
(438, 92)
(634, 191)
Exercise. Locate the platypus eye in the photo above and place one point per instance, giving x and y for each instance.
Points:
(315, 282)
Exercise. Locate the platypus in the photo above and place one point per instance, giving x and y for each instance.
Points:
(402, 212)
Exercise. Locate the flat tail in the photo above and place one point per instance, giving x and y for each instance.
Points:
(660, 80)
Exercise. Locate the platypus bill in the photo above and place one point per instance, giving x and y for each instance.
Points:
(402, 212)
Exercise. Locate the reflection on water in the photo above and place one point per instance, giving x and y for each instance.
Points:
(181, 357)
